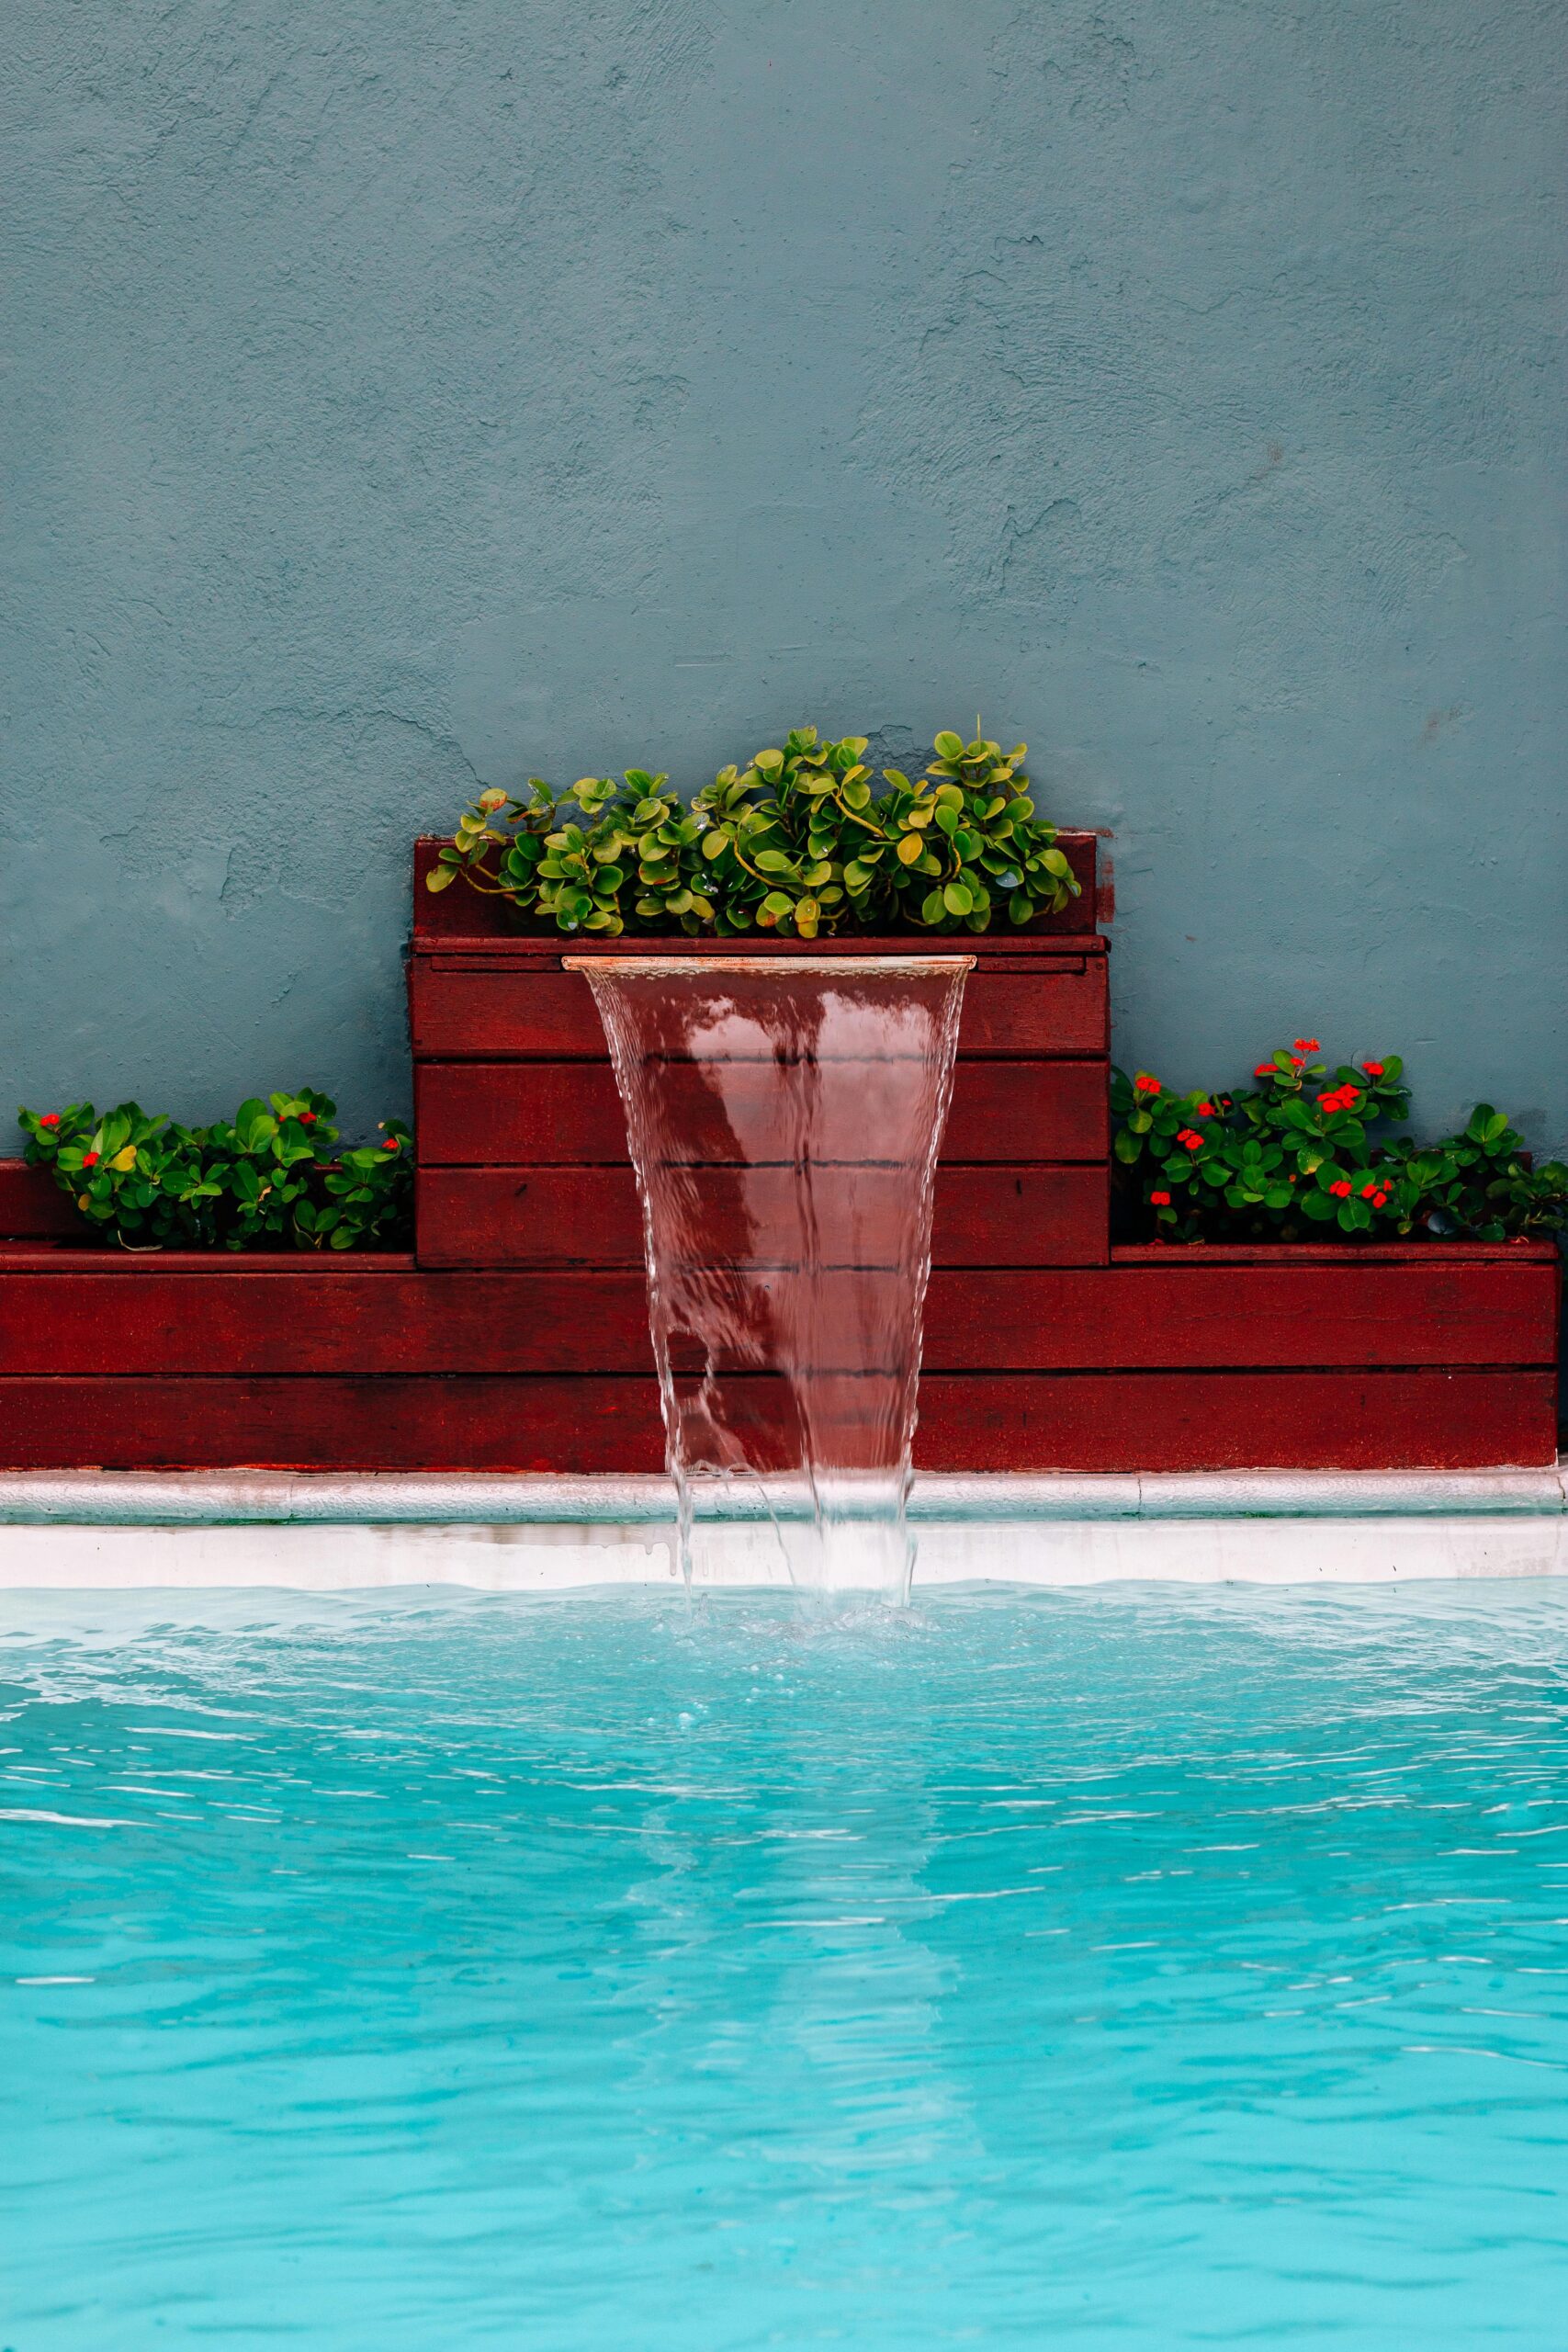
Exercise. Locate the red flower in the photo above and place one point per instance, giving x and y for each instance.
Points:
(1298, 1061)
(1191, 1138)
(1205, 1110)
(50, 1119)
(1160, 1200)
(307, 1118)
(1267, 1069)
(1308, 1046)
(1350, 1093)
(1144, 1084)
(1341, 1191)
(1373, 1069)
(89, 1159)
(1368, 1191)
(390, 1143)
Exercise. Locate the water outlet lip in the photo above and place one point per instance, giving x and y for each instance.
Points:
(667, 966)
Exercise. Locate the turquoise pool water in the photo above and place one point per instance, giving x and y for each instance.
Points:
(1119, 1968)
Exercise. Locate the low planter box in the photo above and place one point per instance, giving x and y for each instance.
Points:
(522, 1147)
(1423, 1356)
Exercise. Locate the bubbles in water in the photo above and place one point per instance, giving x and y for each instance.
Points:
(784, 1116)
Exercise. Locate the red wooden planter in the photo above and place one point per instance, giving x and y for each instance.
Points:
(523, 1158)
(517, 1340)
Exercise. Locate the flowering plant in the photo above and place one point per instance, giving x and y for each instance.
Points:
(1296, 1158)
(799, 842)
(273, 1177)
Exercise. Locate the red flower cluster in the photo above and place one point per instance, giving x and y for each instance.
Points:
(307, 1118)
(390, 1143)
(1375, 1192)
(1341, 1191)
(1268, 1069)
(50, 1119)
(1191, 1137)
(1205, 1110)
(1144, 1084)
(1308, 1046)
(89, 1159)
(1373, 1069)
(1339, 1098)
(1160, 1200)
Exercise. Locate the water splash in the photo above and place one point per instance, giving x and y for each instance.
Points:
(784, 1116)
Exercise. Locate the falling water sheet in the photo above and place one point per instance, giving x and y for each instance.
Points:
(784, 1117)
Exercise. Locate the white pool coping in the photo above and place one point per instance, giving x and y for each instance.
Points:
(331, 1532)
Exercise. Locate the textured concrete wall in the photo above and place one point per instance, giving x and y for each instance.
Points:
(406, 392)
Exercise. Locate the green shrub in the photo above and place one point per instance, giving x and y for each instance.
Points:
(274, 1177)
(798, 841)
(1295, 1160)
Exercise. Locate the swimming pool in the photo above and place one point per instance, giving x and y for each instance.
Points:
(1131, 1967)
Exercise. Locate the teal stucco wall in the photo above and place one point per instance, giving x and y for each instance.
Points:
(406, 392)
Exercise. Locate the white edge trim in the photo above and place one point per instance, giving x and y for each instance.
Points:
(379, 1498)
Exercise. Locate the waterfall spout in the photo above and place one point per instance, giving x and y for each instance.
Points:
(784, 1115)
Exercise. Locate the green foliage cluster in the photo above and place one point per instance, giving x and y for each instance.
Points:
(274, 1177)
(799, 842)
(1296, 1159)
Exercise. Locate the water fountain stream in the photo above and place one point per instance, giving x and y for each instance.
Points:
(784, 1116)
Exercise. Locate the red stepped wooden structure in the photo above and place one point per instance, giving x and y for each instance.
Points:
(515, 1337)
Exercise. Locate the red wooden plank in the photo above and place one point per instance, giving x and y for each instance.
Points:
(310, 1318)
(1238, 1420)
(569, 1113)
(31, 1203)
(464, 913)
(33, 1257)
(1106, 1421)
(991, 1215)
(1189, 1256)
(464, 1007)
(1344, 1316)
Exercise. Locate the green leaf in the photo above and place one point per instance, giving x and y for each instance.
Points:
(955, 897)
(949, 746)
